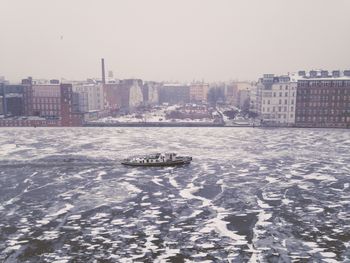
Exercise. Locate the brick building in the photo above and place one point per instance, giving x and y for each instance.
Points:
(48, 104)
(323, 100)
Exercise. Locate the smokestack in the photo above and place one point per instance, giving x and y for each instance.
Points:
(103, 71)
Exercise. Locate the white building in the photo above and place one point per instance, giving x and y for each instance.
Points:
(135, 92)
(94, 94)
(277, 98)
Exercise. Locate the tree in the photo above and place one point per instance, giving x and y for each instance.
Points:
(215, 94)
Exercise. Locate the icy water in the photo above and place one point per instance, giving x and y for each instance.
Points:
(250, 195)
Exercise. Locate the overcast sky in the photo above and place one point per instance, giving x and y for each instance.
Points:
(181, 40)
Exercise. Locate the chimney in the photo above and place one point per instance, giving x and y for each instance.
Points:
(103, 71)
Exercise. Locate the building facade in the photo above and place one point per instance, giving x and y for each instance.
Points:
(12, 100)
(199, 92)
(323, 100)
(174, 94)
(39, 105)
(277, 100)
(91, 96)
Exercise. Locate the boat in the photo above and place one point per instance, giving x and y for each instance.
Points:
(158, 159)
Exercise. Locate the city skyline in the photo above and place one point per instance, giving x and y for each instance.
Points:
(168, 41)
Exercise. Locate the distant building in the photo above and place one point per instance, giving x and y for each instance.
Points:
(199, 92)
(46, 101)
(150, 92)
(126, 94)
(91, 96)
(253, 105)
(135, 91)
(242, 100)
(113, 96)
(1, 105)
(276, 97)
(174, 94)
(12, 99)
(68, 116)
(39, 105)
(323, 99)
(231, 93)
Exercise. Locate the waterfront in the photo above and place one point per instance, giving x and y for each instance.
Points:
(249, 195)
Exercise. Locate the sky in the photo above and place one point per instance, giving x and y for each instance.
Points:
(168, 40)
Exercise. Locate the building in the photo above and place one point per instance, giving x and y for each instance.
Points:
(150, 92)
(67, 115)
(253, 106)
(12, 100)
(46, 101)
(126, 94)
(230, 93)
(174, 94)
(91, 96)
(276, 97)
(199, 92)
(323, 99)
(47, 104)
(134, 86)
(1, 105)
(242, 99)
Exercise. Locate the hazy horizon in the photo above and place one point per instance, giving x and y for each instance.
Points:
(166, 40)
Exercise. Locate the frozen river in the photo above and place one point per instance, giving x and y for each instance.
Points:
(250, 195)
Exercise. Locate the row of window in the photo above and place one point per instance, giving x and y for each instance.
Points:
(47, 113)
(273, 109)
(279, 102)
(323, 91)
(323, 104)
(46, 106)
(278, 116)
(325, 98)
(322, 112)
(323, 119)
(324, 83)
(286, 87)
(46, 100)
(280, 94)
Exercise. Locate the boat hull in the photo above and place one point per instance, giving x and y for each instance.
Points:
(170, 163)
